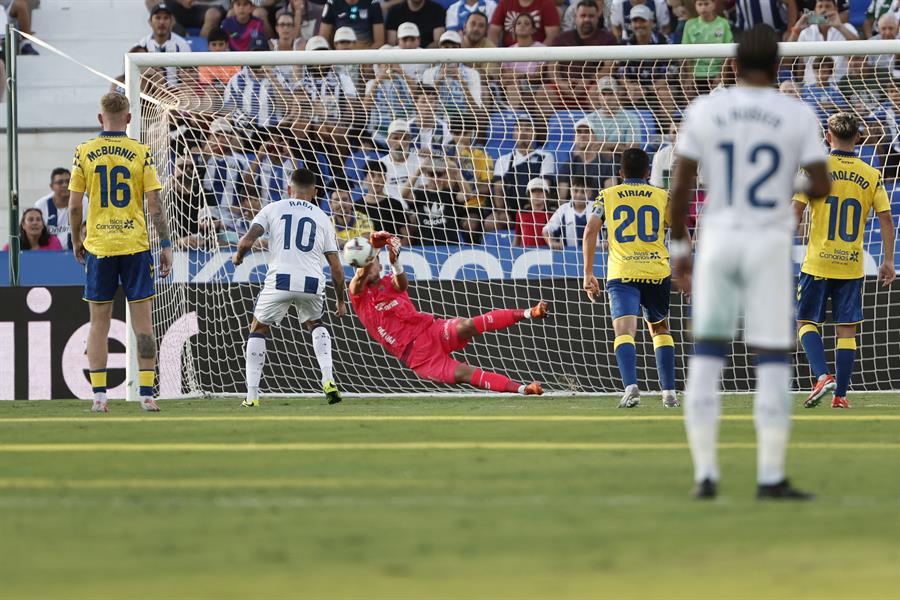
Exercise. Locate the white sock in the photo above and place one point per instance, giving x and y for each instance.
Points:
(100, 397)
(521, 390)
(256, 359)
(702, 408)
(321, 340)
(772, 415)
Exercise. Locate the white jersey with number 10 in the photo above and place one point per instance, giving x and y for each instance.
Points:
(300, 234)
(750, 143)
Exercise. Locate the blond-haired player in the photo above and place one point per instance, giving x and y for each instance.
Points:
(118, 174)
(833, 267)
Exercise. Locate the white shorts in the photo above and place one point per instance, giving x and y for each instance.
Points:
(749, 272)
(272, 306)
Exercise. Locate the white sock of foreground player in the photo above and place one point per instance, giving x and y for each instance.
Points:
(772, 415)
(256, 359)
(702, 408)
(321, 340)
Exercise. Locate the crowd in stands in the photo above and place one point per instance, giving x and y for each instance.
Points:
(450, 153)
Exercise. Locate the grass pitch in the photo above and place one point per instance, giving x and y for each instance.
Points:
(500, 497)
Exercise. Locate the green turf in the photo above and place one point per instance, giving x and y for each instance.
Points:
(255, 506)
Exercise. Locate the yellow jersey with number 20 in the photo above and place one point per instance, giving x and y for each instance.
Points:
(635, 217)
(115, 171)
(838, 222)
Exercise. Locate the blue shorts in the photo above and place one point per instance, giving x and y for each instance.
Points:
(846, 299)
(135, 271)
(628, 297)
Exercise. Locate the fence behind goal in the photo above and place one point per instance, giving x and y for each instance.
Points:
(437, 146)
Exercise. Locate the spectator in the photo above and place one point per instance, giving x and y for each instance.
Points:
(565, 229)
(475, 36)
(823, 96)
(162, 39)
(530, 223)
(401, 163)
(458, 86)
(613, 126)
(584, 164)
(435, 213)
(217, 75)
(409, 38)
(388, 97)
(571, 81)
(859, 88)
(788, 87)
(458, 13)
(884, 64)
(513, 171)
(432, 131)
(329, 91)
(831, 29)
(349, 222)
(54, 207)
(503, 23)
(286, 33)
(472, 165)
(620, 16)
(307, 16)
(33, 234)
(193, 227)
(243, 28)
(841, 5)
(385, 213)
(706, 28)
(644, 79)
(363, 16)
(204, 15)
(345, 39)
(876, 10)
(780, 15)
(888, 117)
(252, 98)
(272, 167)
(227, 170)
(513, 72)
(428, 17)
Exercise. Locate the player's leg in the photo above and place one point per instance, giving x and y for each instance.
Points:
(136, 274)
(97, 352)
(494, 382)
(655, 302)
(321, 341)
(812, 294)
(271, 307)
(846, 307)
(496, 320)
(625, 306)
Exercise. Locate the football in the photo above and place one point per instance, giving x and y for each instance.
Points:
(358, 251)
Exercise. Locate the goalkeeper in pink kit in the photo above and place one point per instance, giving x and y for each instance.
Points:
(421, 341)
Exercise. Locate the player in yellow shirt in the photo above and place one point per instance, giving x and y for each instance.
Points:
(833, 267)
(638, 274)
(118, 173)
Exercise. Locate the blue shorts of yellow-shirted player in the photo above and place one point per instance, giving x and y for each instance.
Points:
(640, 297)
(104, 274)
(845, 294)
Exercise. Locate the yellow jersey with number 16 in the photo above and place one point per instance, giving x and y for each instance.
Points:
(115, 171)
(838, 222)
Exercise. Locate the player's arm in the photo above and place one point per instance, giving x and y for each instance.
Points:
(589, 250)
(886, 272)
(683, 184)
(400, 280)
(158, 217)
(337, 277)
(799, 207)
(246, 244)
(75, 216)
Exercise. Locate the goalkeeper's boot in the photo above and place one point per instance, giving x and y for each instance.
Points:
(99, 407)
(250, 403)
(533, 389)
(706, 490)
(539, 310)
(825, 384)
(670, 399)
(840, 402)
(332, 392)
(781, 491)
(148, 405)
(631, 398)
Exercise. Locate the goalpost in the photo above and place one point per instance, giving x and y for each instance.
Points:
(222, 153)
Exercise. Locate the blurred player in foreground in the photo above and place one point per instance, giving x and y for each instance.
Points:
(833, 267)
(118, 173)
(750, 141)
(301, 238)
(421, 341)
(638, 275)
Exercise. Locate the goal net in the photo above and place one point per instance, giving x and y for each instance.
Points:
(438, 146)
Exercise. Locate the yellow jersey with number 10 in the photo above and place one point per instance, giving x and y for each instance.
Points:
(115, 171)
(838, 222)
(636, 218)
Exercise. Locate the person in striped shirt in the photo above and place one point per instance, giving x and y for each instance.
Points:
(565, 229)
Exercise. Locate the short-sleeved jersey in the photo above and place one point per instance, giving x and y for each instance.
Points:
(300, 235)
(389, 315)
(115, 171)
(838, 222)
(750, 142)
(635, 217)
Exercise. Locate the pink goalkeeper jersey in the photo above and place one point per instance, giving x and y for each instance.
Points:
(389, 316)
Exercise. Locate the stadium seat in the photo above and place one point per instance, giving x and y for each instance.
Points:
(651, 134)
(869, 154)
(561, 134)
(498, 239)
(198, 44)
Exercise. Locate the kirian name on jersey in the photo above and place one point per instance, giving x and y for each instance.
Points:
(851, 177)
(111, 151)
(748, 113)
(631, 193)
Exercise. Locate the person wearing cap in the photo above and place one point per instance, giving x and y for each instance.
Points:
(401, 164)
(428, 17)
(645, 79)
(227, 173)
(345, 39)
(408, 38)
(502, 31)
(458, 12)
(620, 16)
(530, 222)
(435, 209)
(162, 38)
(458, 86)
(388, 96)
(204, 15)
(565, 229)
(364, 17)
(331, 96)
(515, 169)
(614, 126)
(243, 28)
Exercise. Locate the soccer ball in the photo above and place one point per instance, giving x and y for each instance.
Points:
(358, 251)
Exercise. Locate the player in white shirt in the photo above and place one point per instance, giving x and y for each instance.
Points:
(301, 238)
(750, 140)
